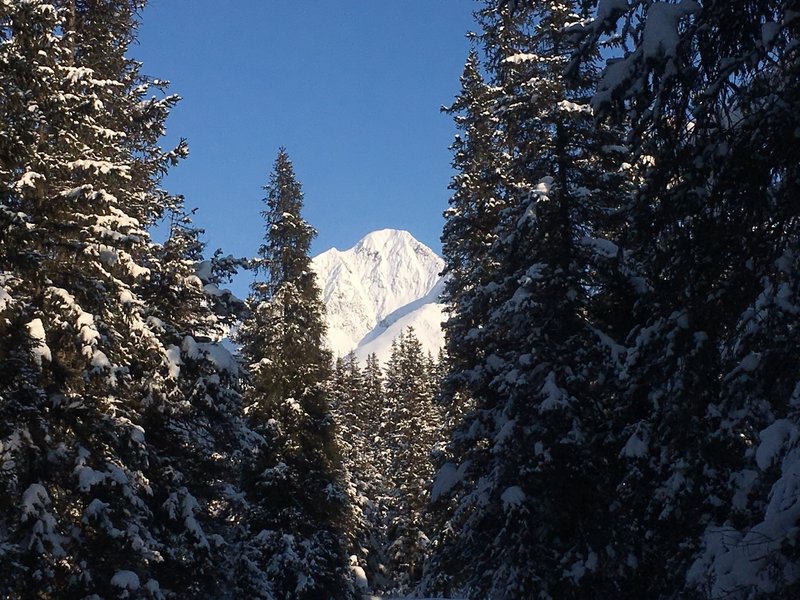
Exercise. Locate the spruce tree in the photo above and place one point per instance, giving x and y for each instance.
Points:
(345, 390)
(199, 435)
(374, 415)
(357, 402)
(470, 230)
(373, 401)
(530, 476)
(711, 89)
(412, 428)
(294, 546)
(84, 490)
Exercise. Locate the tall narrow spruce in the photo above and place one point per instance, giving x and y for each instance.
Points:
(295, 548)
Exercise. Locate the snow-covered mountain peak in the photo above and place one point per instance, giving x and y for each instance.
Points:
(388, 240)
(385, 271)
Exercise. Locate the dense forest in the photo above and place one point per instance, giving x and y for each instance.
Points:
(616, 413)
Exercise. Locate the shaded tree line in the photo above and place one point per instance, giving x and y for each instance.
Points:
(389, 423)
(622, 247)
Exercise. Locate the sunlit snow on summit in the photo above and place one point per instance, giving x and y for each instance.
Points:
(385, 283)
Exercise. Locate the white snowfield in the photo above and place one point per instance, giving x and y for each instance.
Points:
(385, 283)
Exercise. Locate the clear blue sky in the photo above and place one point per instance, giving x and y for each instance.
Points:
(352, 89)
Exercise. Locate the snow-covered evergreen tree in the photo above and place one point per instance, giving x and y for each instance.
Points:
(84, 480)
(374, 416)
(199, 435)
(412, 426)
(357, 403)
(530, 478)
(345, 391)
(470, 230)
(373, 401)
(712, 91)
(294, 484)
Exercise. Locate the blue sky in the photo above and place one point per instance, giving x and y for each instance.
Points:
(352, 89)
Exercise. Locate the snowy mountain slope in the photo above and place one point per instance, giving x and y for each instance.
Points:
(427, 324)
(386, 282)
(425, 315)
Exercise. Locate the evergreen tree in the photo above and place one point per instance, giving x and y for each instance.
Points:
(532, 463)
(373, 402)
(413, 426)
(85, 481)
(356, 399)
(470, 230)
(348, 403)
(295, 547)
(374, 415)
(712, 90)
(199, 435)
(345, 390)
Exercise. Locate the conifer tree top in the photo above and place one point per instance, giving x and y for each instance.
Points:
(287, 327)
(285, 252)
